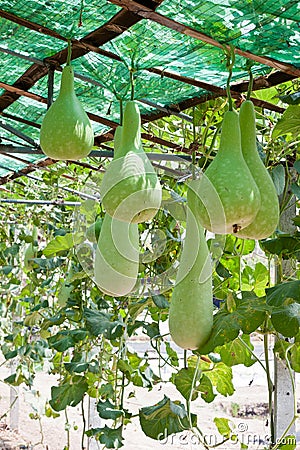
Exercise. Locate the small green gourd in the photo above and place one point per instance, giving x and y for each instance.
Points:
(229, 197)
(66, 131)
(117, 252)
(191, 308)
(267, 218)
(130, 188)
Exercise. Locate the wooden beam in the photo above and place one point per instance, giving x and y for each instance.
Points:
(147, 13)
(111, 29)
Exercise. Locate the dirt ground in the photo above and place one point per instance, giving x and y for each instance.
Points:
(246, 408)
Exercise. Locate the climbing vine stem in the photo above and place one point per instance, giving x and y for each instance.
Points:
(230, 60)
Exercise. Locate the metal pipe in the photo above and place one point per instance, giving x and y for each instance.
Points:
(96, 153)
(39, 202)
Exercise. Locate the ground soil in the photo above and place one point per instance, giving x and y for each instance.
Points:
(247, 409)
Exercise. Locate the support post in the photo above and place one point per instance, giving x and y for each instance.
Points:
(94, 421)
(14, 401)
(283, 383)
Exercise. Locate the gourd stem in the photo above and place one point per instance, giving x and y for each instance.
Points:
(250, 86)
(131, 83)
(69, 52)
(230, 57)
(121, 111)
(80, 14)
(194, 151)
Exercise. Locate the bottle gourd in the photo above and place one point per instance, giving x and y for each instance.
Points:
(229, 197)
(130, 188)
(191, 308)
(267, 218)
(66, 131)
(117, 252)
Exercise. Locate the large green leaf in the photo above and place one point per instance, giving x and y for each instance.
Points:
(278, 177)
(68, 394)
(286, 246)
(289, 124)
(110, 437)
(221, 377)
(98, 322)
(286, 319)
(107, 410)
(295, 356)
(184, 380)
(164, 418)
(62, 243)
(66, 339)
(276, 295)
(248, 315)
(77, 364)
(236, 352)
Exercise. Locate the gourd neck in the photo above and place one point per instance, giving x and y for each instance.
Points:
(67, 81)
(247, 126)
(118, 141)
(230, 140)
(131, 135)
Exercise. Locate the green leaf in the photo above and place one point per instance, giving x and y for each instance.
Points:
(235, 352)
(297, 165)
(66, 339)
(278, 177)
(183, 381)
(249, 314)
(110, 437)
(164, 418)
(125, 368)
(295, 188)
(286, 319)
(77, 364)
(160, 301)
(296, 220)
(289, 123)
(68, 394)
(223, 426)
(295, 356)
(152, 329)
(286, 246)
(221, 377)
(107, 410)
(268, 95)
(172, 354)
(276, 295)
(62, 243)
(206, 389)
(222, 271)
(288, 443)
(291, 99)
(98, 322)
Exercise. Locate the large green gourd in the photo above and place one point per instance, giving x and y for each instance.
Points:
(66, 131)
(130, 188)
(267, 218)
(229, 196)
(117, 251)
(191, 308)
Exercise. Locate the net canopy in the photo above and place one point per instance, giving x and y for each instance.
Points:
(174, 49)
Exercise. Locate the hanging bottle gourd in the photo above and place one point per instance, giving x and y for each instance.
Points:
(229, 197)
(66, 131)
(130, 188)
(117, 251)
(266, 220)
(191, 308)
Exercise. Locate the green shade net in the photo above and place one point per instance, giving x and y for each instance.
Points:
(265, 28)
